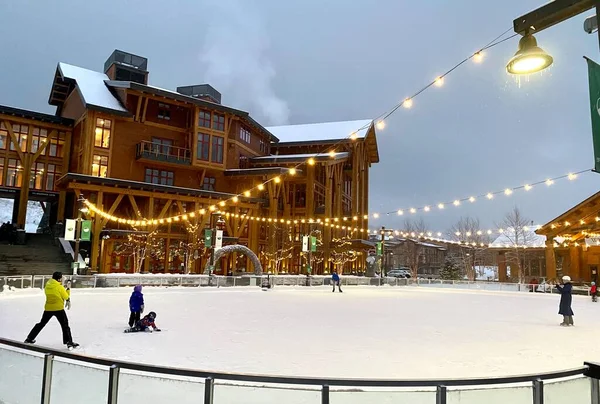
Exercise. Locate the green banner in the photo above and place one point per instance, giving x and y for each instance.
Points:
(380, 248)
(313, 244)
(86, 230)
(594, 77)
(208, 238)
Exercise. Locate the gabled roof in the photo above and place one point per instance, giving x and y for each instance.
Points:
(314, 132)
(288, 158)
(38, 116)
(586, 210)
(530, 239)
(91, 87)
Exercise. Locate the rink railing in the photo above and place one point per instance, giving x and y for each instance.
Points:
(122, 280)
(57, 374)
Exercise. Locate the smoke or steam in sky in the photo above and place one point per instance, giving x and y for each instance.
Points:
(235, 61)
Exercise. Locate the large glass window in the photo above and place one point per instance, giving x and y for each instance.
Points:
(102, 134)
(164, 111)
(203, 146)
(264, 147)
(51, 175)
(39, 137)
(14, 173)
(20, 132)
(245, 135)
(217, 149)
(36, 177)
(161, 177)
(3, 136)
(209, 183)
(100, 166)
(218, 122)
(55, 148)
(204, 119)
(161, 146)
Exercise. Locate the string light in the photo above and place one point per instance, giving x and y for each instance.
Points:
(311, 161)
(400, 212)
(380, 125)
(353, 136)
(277, 180)
(292, 171)
(439, 81)
(247, 194)
(508, 191)
(489, 195)
(332, 153)
(549, 182)
(472, 199)
(440, 206)
(456, 202)
(527, 187)
(478, 57)
(572, 176)
(235, 199)
(408, 103)
(261, 187)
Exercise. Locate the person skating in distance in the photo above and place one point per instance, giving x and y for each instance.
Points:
(57, 299)
(136, 305)
(566, 298)
(335, 280)
(145, 324)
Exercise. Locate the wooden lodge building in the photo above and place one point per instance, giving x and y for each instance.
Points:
(143, 153)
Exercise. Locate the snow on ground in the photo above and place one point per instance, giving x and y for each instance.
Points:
(383, 332)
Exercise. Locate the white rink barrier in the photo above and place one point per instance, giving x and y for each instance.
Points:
(194, 280)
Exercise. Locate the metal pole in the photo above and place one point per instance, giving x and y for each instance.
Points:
(325, 395)
(47, 378)
(595, 387)
(383, 251)
(77, 237)
(538, 391)
(113, 384)
(440, 395)
(209, 390)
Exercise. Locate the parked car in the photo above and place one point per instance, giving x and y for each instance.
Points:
(399, 273)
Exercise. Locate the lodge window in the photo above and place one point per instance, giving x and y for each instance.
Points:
(20, 132)
(161, 146)
(218, 122)
(245, 135)
(203, 146)
(217, 149)
(51, 176)
(3, 136)
(164, 111)
(102, 134)
(204, 119)
(264, 147)
(37, 140)
(243, 161)
(36, 179)
(300, 196)
(209, 183)
(14, 173)
(1, 170)
(100, 166)
(160, 177)
(55, 148)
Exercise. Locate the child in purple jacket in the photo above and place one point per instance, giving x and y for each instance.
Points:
(136, 305)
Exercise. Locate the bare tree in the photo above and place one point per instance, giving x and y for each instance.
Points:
(518, 236)
(342, 252)
(282, 245)
(411, 250)
(140, 245)
(474, 242)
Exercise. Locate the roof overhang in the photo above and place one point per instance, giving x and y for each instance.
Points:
(252, 172)
(37, 116)
(576, 221)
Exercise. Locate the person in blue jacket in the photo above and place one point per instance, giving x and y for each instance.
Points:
(566, 298)
(335, 280)
(136, 305)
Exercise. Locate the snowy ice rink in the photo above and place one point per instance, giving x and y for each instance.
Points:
(404, 332)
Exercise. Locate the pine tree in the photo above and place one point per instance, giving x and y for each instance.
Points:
(450, 271)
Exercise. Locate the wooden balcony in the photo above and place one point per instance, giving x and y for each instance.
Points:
(155, 152)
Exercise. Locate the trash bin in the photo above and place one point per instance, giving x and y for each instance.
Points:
(21, 237)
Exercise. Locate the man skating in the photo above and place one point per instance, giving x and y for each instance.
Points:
(57, 298)
(335, 280)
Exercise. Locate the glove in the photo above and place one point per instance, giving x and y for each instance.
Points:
(142, 309)
(68, 304)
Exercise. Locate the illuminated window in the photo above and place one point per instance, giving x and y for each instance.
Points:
(20, 132)
(51, 175)
(102, 134)
(209, 183)
(245, 135)
(217, 149)
(36, 176)
(164, 111)
(55, 148)
(161, 177)
(204, 119)
(3, 136)
(100, 166)
(203, 146)
(39, 137)
(14, 173)
(218, 122)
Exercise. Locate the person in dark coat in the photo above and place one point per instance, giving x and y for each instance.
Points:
(335, 280)
(136, 305)
(566, 298)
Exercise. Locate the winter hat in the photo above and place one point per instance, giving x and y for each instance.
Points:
(593, 283)
(566, 278)
(137, 288)
(57, 276)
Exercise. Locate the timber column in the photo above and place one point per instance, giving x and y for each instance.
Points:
(502, 274)
(550, 259)
(575, 257)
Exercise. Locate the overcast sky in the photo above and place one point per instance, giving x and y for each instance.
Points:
(326, 60)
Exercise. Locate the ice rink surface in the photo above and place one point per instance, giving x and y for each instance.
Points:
(404, 332)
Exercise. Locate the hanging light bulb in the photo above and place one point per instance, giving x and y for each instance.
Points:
(478, 57)
(311, 161)
(439, 81)
(261, 187)
(508, 191)
(440, 206)
(413, 210)
(292, 171)
(528, 187)
(572, 176)
(332, 153)
(408, 103)
(277, 180)
(380, 125)
(247, 194)
(400, 212)
(549, 182)
(376, 215)
(456, 202)
(353, 136)
(472, 199)
(489, 195)
(235, 199)
(426, 208)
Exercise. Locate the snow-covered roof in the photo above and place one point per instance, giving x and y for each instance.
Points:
(338, 155)
(528, 238)
(92, 88)
(321, 131)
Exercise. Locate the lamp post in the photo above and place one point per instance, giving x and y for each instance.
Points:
(80, 210)
(219, 225)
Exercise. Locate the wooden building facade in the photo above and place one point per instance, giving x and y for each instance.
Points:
(140, 154)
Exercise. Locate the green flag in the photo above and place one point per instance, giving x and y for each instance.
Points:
(208, 238)
(380, 248)
(594, 77)
(313, 244)
(86, 230)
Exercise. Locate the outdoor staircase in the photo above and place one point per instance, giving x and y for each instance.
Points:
(39, 256)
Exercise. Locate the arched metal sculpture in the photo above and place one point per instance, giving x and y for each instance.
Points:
(236, 248)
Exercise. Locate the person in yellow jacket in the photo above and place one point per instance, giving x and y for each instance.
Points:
(57, 298)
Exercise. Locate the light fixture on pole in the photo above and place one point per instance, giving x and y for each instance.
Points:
(529, 58)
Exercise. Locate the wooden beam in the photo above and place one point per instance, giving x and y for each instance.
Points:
(112, 209)
(14, 141)
(44, 146)
(134, 205)
(95, 246)
(143, 118)
(139, 107)
(27, 121)
(62, 201)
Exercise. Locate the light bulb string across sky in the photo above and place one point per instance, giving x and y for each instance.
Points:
(486, 196)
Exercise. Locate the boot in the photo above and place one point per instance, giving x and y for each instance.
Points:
(29, 341)
(571, 320)
(565, 322)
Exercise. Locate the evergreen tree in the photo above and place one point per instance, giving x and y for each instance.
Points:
(450, 271)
